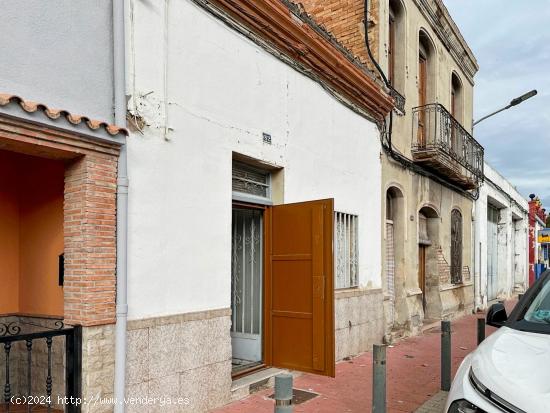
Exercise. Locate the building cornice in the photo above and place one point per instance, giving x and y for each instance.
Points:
(449, 34)
(286, 28)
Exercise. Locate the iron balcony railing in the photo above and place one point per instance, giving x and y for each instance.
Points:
(438, 138)
(399, 100)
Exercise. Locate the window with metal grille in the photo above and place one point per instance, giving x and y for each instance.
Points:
(346, 250)
(250, 181)
(456, 247)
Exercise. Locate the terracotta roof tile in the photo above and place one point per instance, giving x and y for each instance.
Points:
(30, 107)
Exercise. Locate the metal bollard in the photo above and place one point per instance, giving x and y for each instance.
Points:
(480, 330)
(283, 393)
(445, 355)
(379, 379)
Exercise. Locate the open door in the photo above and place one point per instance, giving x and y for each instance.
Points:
(299, 287)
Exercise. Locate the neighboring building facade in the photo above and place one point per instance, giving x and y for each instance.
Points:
(501, 235)
(538, 252)
(229, 138)
(431, 165)
(428, 275)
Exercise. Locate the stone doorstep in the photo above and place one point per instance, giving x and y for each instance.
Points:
(252, 383)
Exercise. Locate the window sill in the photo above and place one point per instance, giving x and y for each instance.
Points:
(448, 287)
(355, 292)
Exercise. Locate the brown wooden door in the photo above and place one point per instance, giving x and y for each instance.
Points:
(391, 51)
(422, 92)
(454, 144)
(299, 287)
(422, 273)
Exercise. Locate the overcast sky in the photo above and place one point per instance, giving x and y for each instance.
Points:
(511, 41)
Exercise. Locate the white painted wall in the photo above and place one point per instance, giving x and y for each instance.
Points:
(513, 222)
(223, 91)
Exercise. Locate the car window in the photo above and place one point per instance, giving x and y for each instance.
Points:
(539, 310)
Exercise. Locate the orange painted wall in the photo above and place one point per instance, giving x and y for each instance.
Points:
(39, 191)
(9, 235)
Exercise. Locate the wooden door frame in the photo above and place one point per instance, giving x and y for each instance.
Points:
(422, 252)
(391, 48)
(422, 97)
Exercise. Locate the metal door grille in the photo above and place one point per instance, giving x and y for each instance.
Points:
(346, 250)
(246, 271)
(456, 247)
(249, 180)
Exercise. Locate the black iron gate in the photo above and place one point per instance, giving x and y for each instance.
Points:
(18, 340)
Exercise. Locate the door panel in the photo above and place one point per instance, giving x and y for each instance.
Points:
(422, 273)
(246, 284)
(299, 287)
(422, 92)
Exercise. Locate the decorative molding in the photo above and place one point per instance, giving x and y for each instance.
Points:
(286, 28)
(355, 292)
(455, 286)
(448, 33)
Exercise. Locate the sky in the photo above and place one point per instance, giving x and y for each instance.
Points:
(511, 41)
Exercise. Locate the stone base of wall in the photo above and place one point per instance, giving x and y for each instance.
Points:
(359, 321)
(457, 301)
(98, 368)
(183, 358)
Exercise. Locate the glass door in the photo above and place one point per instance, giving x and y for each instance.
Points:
(246, 287)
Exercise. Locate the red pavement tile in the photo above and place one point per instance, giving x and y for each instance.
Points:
(413, 369)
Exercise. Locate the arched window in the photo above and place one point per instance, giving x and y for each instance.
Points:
(456, 98)
(396, 45)
(456, 247)
(426, 92)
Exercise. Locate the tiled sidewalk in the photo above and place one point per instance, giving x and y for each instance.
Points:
(413, 376)
(435, 405)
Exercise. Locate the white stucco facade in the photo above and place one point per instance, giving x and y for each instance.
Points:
(221, 92)
(507, 273)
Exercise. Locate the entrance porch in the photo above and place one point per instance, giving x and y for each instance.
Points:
(57, 231)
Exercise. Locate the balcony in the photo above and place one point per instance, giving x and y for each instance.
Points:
(441, 144)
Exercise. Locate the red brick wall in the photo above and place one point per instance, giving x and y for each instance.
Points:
(89, 215)
(344, 19)
(90, 240)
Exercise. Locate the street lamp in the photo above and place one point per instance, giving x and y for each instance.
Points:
(513, 102)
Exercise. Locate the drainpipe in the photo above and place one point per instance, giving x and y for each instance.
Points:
(119, 75)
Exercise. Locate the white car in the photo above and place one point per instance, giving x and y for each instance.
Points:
(510, 370)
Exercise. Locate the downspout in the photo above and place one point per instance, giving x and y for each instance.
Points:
(119, 76)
